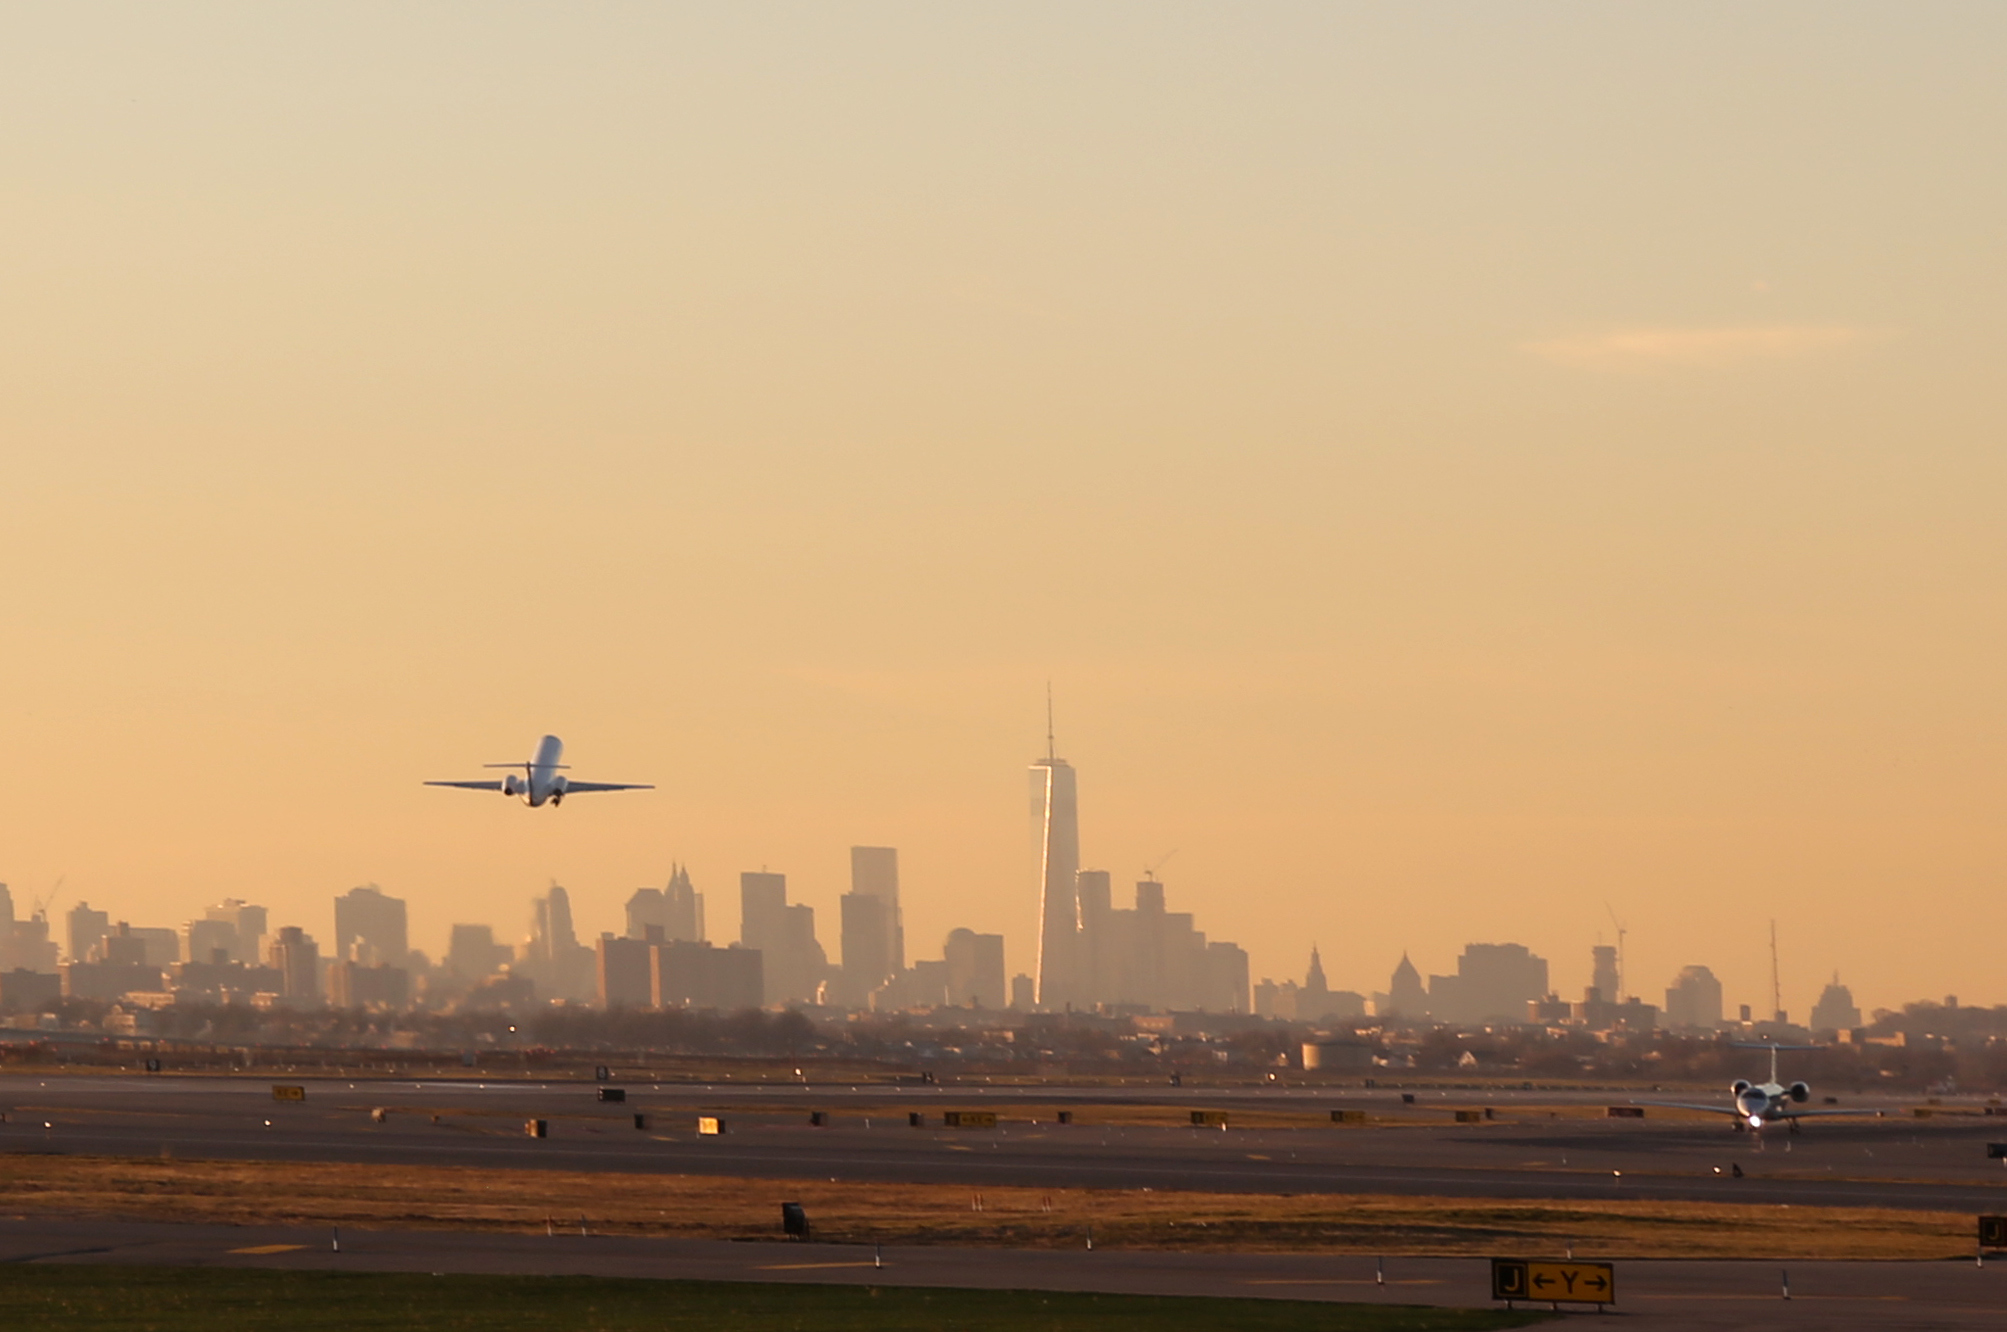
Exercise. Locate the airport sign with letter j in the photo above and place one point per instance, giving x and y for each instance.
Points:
(1576, 1283)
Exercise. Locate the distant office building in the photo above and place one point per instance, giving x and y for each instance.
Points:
(1148, 957)
(1406, 996)
(25, 991)
(624, 971)
(1315, 990)
(137, 945)
(1223, 979)
(1493, 983)
(297, 959)
(249, 922)
(867, 953)
(1092, 954)
(1314, 1000)
(975, 969)
(506, 991)
(108, 981)
(686, 974)
(161, 946)
(552, 956)
(208, 940)
(1694, 999)
(1023, 993)
(356, 985)
(684, 906)
(1096, 949)
(1836, 1010)
(25, 944)
(675, 913)
(872, 929)
(1595, 1013)
(922, 985)
(1603, 976)
(647, 917)
(793, 964)
(370, 928)
(551, 929)
(86, 927)
(223, 982)
(120, 946)
(1056, 834)
(472, 952)
(874, 872)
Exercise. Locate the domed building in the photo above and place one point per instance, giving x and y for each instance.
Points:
(1836, 1010)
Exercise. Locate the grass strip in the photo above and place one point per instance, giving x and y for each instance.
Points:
(88, 1298)
(707, 1207)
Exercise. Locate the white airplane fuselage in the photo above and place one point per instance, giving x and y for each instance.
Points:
(541, 781)
(1760, 1103)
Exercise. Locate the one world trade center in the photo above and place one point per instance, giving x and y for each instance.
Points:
(1056, 833)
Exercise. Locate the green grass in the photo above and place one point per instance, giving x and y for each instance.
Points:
(87, 1298)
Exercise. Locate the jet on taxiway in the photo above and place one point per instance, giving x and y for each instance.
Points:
(1755, 1104)
(541, 781)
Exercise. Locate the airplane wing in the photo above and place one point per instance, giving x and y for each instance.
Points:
(1687, 1105)
(573, 788)
(490, 785)
(1804, 1114)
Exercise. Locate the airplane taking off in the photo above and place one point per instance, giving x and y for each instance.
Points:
(1759, 1103)
(541, 781)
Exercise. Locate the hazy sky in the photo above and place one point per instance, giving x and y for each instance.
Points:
(1458, 465)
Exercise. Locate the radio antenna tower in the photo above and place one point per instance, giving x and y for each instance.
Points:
(1051, 750)
(1776, 988)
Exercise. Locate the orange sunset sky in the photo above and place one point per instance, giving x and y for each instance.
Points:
(1458, 466)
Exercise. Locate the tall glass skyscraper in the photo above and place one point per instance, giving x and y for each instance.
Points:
(1056, 832)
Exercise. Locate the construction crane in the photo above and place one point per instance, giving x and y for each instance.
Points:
(48, 899)
(1150, 871)
(1620, 949)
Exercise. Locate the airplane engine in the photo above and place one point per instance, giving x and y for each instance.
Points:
(1741, 1086)
(511, 786)
(558, 787)
(1801, 1091)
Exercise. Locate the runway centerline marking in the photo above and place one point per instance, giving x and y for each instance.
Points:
(1334, 1281)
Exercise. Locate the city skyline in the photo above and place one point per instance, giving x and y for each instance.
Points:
(1083, 928)
(1492, 983)
(1459, 467)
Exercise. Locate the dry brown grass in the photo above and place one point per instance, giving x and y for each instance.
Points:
(459, 1197)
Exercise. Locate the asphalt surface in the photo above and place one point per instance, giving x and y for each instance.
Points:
(1938, 1163)
(1834, 1297)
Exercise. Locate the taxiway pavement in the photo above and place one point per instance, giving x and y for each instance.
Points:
(1938, 1163)
(1830, 1296)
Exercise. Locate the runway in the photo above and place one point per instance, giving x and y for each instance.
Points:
(1833, 1297)
(1937, 1164)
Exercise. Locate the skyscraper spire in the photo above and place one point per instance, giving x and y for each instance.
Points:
(1056, 835)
